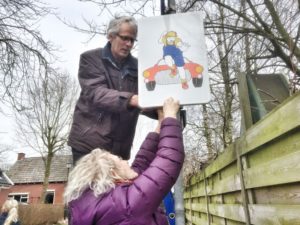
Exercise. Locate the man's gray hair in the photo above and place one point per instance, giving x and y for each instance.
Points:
(115, 25)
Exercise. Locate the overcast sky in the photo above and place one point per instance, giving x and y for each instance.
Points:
(72, 44)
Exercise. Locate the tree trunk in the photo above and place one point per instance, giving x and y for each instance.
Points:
(227, 116)
(207, 132)
(47, 162)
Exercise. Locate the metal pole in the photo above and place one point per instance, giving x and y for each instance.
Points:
(171, 6)
(178, 187)
(178, 199)
(169, 9)
(162, 7)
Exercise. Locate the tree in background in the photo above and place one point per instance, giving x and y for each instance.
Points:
(44, 123)
(4, 149)
(22, 48)
(253, 37)
(109, 9)
(272, 28)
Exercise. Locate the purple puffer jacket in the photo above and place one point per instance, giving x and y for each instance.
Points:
(158, 163)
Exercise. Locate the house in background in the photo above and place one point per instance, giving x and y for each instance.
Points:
(5, 182)
(27, 175)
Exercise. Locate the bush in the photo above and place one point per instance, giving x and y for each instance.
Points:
(40, 214)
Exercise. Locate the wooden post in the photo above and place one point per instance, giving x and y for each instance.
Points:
(207, 198)
(244, 102)
(243, 189)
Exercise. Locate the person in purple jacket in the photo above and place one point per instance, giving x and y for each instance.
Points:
(104, 190)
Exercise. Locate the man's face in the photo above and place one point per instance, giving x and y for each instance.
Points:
(122, 43)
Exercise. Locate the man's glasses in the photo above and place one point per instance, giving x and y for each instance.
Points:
(126, 38)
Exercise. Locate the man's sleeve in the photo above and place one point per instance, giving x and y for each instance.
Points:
(94, 86)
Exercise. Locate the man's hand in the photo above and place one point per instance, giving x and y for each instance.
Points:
(134, 101)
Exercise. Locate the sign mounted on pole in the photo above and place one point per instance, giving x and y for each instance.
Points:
(172, 60)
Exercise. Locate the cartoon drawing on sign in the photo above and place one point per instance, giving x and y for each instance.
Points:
(173, 68)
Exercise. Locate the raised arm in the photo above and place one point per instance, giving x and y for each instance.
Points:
(149, 147)
(154, 183)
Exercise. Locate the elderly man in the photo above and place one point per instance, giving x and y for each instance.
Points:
(107, 110)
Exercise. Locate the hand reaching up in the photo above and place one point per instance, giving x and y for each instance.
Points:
(160, 114)
(170, 108)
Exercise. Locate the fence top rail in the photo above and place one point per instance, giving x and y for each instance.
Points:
(284, 118)
(279, 121)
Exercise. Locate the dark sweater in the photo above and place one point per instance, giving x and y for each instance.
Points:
(3, 217)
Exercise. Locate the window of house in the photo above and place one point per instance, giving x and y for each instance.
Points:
(49, 199)
(20, 197)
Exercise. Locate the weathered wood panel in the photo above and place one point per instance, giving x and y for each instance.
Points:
(281, 120)
(281, 170)
(222, 161)
(256, 180)
(229, 211)
(228, 184)
(279, 194)
(275, 214)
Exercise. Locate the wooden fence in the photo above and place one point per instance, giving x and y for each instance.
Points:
(256, 180)
(41, 214)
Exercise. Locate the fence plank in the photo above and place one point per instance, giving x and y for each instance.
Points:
(284, 145)
(197, 191)
(288, 194)
(229, 211)
(223, 160)
(275, 214)
(196, 178)
(198, 221)
(228, 184)
(197, 207)
(276, 123)
(282, 170)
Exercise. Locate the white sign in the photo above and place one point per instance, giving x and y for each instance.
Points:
(172, 60)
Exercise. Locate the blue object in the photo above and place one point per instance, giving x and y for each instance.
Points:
(170, 208)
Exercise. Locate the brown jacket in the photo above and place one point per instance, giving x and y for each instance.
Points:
(102, 117)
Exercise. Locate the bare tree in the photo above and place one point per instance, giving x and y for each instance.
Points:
(137, 7)
(213, 123)
(110, 9)
(22, 48)
(271, 26)
(44, 123)
(4, 150)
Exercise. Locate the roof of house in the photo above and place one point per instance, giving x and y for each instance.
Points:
(31, 170)
(4, 180)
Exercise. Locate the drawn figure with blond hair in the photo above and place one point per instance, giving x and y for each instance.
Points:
(9, 213)
(173, 55)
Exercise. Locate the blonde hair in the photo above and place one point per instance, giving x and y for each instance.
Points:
(165, 37)
(93, 171)
(11, 207)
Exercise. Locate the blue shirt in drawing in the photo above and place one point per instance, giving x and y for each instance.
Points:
(175, 53)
